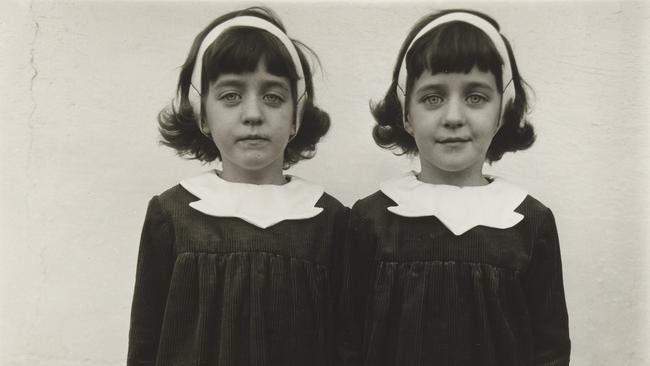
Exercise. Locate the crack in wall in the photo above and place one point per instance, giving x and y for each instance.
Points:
(32, 82)
(32, 126)
(31, 122)
(31, 179)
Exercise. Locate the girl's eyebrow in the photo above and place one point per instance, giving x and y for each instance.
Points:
(432, 87)
(229, 82)
(441, 86)
(479, 84)
(268, 84)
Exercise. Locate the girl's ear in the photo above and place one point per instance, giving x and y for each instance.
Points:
(407, 125)
(204, 127)
(499, 124)
(293, 131)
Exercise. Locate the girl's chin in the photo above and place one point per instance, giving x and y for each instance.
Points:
(254, 161)
(457, 166)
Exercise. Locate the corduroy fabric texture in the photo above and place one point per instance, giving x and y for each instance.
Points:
(416, 294)
(220, 291)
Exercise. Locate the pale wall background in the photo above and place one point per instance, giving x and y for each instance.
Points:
(81, 83)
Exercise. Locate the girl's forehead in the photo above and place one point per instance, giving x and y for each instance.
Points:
(259, 76)
(237, 55)
(474, 76)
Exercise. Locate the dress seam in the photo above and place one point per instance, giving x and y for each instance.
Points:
(256, 251)
(449, 262)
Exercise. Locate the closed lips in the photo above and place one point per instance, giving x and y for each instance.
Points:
(453, 139)
(253, 138)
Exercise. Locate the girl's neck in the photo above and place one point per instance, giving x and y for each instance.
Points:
(466, 178)
(269, 175)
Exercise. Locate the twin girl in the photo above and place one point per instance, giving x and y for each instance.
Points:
(445, 266)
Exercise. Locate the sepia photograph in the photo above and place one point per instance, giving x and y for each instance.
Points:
(293, 183)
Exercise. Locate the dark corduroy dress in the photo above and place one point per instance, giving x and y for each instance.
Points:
(416, 294)
(220, 291)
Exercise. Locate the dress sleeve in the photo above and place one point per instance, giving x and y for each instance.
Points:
(154, 268)
(545, 291)
(357, 272)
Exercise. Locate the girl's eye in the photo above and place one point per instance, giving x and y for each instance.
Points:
(273, 99)
(230, 97)
(432, 99)
(476, 99)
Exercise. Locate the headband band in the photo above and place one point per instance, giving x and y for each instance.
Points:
(194, 94)
(487, 28)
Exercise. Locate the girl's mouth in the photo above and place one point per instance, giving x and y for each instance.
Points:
(453, 140)
(254, 141)
(253, 138)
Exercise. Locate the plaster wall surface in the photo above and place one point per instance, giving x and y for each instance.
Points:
(82, 82)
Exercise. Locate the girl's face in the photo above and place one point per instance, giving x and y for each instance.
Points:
(250, 118)
(453, 118)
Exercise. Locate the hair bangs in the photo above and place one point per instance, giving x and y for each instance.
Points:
(454, 47)
(240, 49)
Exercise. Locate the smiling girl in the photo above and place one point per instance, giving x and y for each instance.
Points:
(448, 266)
(240, 266)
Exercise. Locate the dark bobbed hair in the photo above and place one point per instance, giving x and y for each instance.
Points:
(239, 50)
(452, 47)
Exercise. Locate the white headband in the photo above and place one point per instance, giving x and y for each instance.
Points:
(489, 30)
(194, 94)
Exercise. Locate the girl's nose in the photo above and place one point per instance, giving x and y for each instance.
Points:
(454, 116)
(251, 113)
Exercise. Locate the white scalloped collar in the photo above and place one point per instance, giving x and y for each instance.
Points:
(262, 205)
(458, 208)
